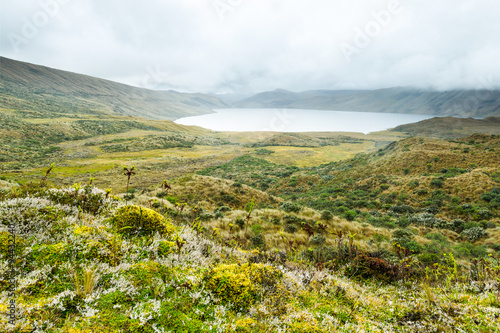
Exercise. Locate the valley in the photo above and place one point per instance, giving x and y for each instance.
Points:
(128, 222)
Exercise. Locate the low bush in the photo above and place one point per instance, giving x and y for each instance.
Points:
(139, 221)
(241, 285)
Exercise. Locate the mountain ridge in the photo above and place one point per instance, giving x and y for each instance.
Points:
(461, 103)
(35, 88)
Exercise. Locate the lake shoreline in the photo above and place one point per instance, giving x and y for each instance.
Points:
(299, 120)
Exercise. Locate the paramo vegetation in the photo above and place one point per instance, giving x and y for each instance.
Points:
(202, 254)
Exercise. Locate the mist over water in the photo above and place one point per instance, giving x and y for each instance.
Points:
(293, 120)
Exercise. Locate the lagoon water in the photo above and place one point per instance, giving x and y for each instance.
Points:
(294, 120)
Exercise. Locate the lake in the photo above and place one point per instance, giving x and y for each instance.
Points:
(293, 120)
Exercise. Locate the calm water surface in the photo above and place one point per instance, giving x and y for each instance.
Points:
(293, 120)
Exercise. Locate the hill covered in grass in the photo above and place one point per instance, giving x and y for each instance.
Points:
(87, 261)
(416, 184)
(451, 128)
(34, 91)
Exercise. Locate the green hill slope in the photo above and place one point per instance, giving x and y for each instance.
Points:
(40, 92)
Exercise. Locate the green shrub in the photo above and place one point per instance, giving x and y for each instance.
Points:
(240, 223)
(222, 209)
(292, 219)
(402, 234)
(421, 192)
(467, 250)
(326, 215)
(258, 240)
(290, 228)
(206, 216)
(350, 215)
(438, 182)
(317, 239)
(166, 247)
(290, 207)
(429, 258)
(276, 221)
(52, 254)
(414, 183)
(139, 221)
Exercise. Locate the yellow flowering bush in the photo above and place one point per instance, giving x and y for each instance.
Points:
(166, 247)
(143, 273)
(139, 221)
(305, 327)
(245, 325)
(82, 230)
(240, 284)
(20, 243)
(52, 254)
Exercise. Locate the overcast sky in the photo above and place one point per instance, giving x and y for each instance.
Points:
(247, 46)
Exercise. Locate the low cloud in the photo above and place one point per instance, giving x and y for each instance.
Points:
(246, 46)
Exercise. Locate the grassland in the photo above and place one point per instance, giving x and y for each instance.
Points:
(310, 232)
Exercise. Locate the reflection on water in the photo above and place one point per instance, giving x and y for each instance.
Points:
(293, 120)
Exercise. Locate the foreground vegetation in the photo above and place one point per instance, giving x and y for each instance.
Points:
(238, 232)
(203, 257)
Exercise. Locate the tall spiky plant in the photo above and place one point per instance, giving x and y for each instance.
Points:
(44, 178)
(129, 172)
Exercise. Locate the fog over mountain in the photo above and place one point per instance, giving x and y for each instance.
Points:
(245, 47)
(461, 103)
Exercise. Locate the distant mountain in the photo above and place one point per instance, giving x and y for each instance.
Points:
(451, 128)
(45, 92)
(462, 103)
(231, 98)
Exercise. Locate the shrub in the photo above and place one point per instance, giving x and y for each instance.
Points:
(206, 216)
(52, 254)
(166, 247)
(492, 197)
(350, 215)
(290, 207)
(258, 240)
(222, 209)
(241, 284)
(402, 209)
(384, 222)
(425, 219)
(402, 234)
(292, 219)
(437, 236)
(240, 223)
(421, 192)
(438, 183)
(317, 239)
(470, 250)
(290, 228)
(483, 214)
(473, 234)
(458, 225)
(138, 221)
(429, 258)
(403, 222)
(326, 215)
(276, 220)
(414, 183)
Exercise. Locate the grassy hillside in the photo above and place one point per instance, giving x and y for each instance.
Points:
(40, 92)
(462, 103)
(202, 256)
(426, 185)
(451, 128)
